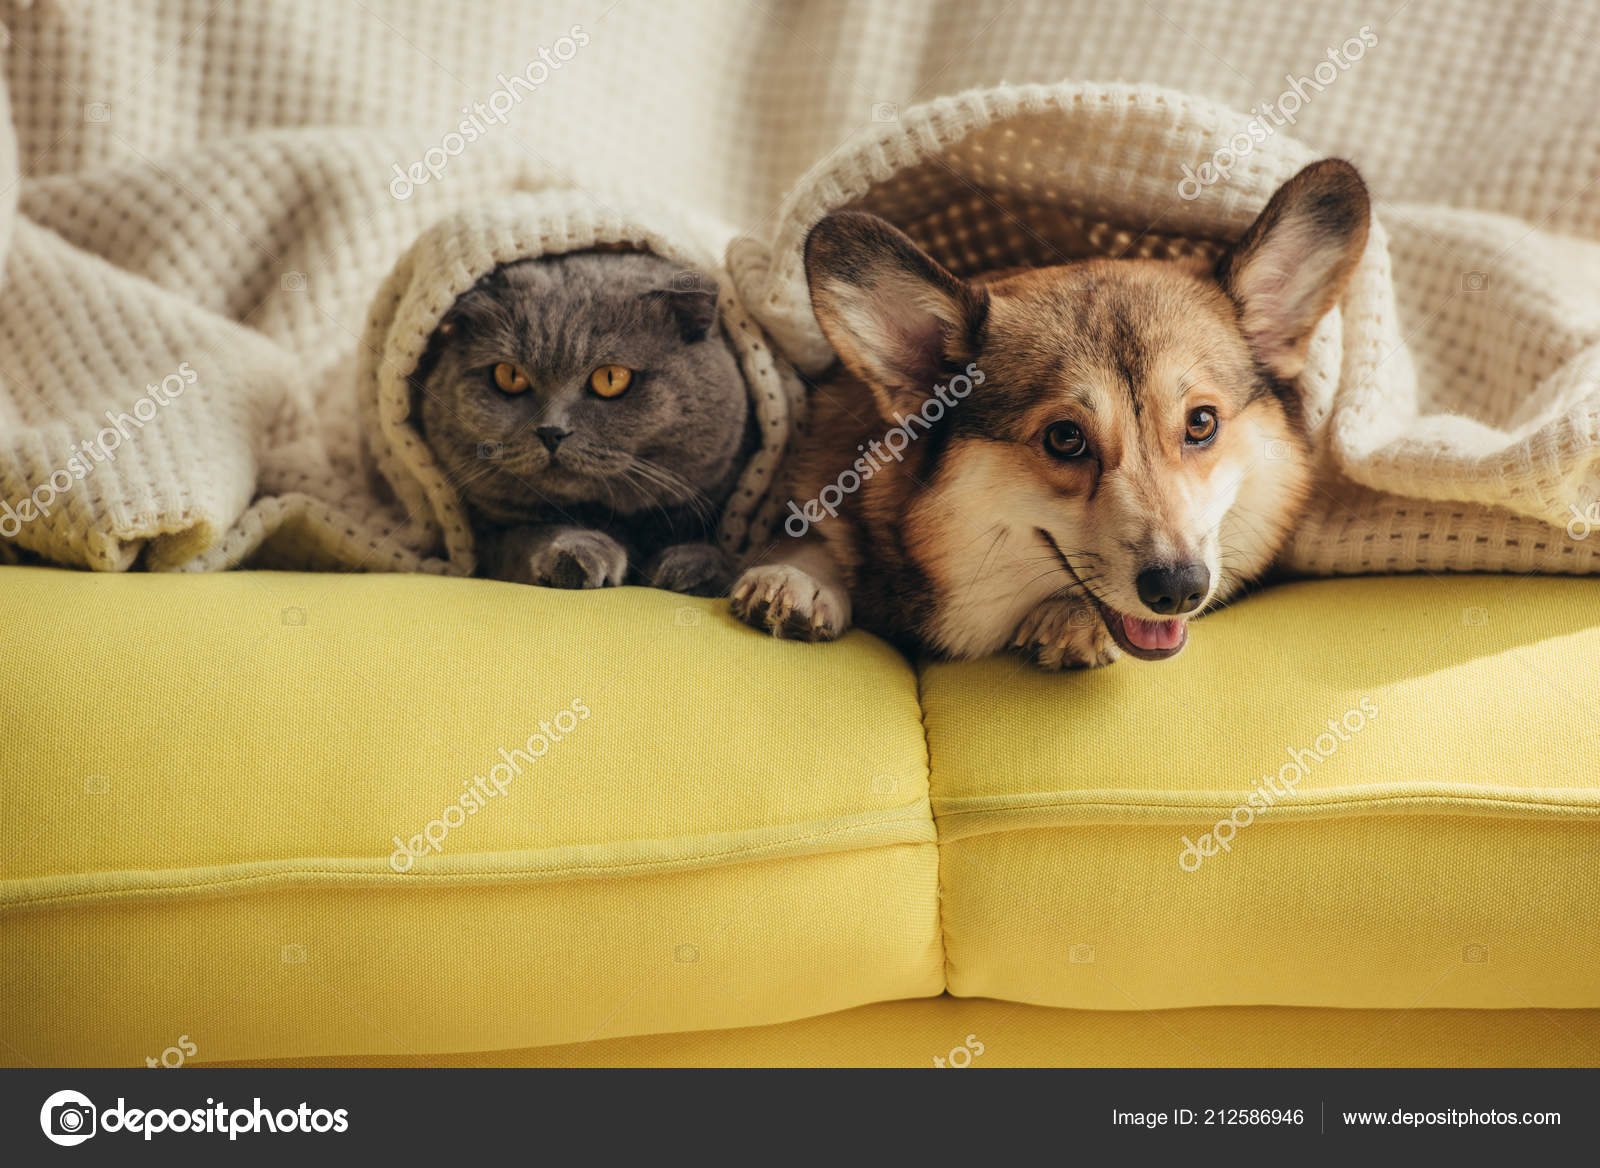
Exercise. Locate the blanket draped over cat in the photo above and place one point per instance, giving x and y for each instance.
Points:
(450, 258)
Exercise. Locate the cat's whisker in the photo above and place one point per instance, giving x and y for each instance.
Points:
(671, 482)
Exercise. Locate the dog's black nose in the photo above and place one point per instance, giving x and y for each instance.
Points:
(551, 436)
(1174, 590)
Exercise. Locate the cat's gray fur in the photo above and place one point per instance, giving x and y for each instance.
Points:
(632, 493)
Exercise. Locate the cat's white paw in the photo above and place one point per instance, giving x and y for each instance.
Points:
(790, 603)
(578, 558)
(1065, 633)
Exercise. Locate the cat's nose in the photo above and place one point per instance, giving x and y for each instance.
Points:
(551, 436)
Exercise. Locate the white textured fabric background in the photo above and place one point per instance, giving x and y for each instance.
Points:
(208, 183)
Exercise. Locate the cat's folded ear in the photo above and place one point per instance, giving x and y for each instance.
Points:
(691, 301)
(479, 309)
(897, 319)
(1292, 264)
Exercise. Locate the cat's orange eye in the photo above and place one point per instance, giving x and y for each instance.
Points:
(509, 378)
(611, 380)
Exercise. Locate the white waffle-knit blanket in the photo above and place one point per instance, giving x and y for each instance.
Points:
(199, 204)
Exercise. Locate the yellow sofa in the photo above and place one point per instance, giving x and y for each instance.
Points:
(411, 820)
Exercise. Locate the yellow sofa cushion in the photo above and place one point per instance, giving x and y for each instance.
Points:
(211, 787)
(1389, 786)
(208, 785)
(1007, 1034)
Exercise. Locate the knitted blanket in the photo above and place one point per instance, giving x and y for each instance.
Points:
(228, 228)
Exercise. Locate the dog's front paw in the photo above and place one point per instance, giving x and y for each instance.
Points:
(576, 557)
(694, 569)
(789, 603)
(1065, 634)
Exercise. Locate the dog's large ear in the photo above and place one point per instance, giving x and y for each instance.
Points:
(1293, 263)
(898, 320)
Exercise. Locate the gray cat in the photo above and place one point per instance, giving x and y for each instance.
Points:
(592, 415)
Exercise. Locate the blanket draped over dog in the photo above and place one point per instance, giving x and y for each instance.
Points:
(228, 230)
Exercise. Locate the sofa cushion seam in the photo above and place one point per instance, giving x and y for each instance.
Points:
(1577, 809)
(938, 891)
(399, 878)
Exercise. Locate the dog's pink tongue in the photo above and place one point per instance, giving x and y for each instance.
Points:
(1152, 634)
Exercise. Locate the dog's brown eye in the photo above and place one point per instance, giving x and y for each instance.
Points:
(1202, 427)
(509, 378)
(1066, 440)
(611, 380)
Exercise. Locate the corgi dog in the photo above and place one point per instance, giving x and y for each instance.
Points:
(1069, 462)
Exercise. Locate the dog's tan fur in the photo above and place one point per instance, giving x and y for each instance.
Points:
(981, 539)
